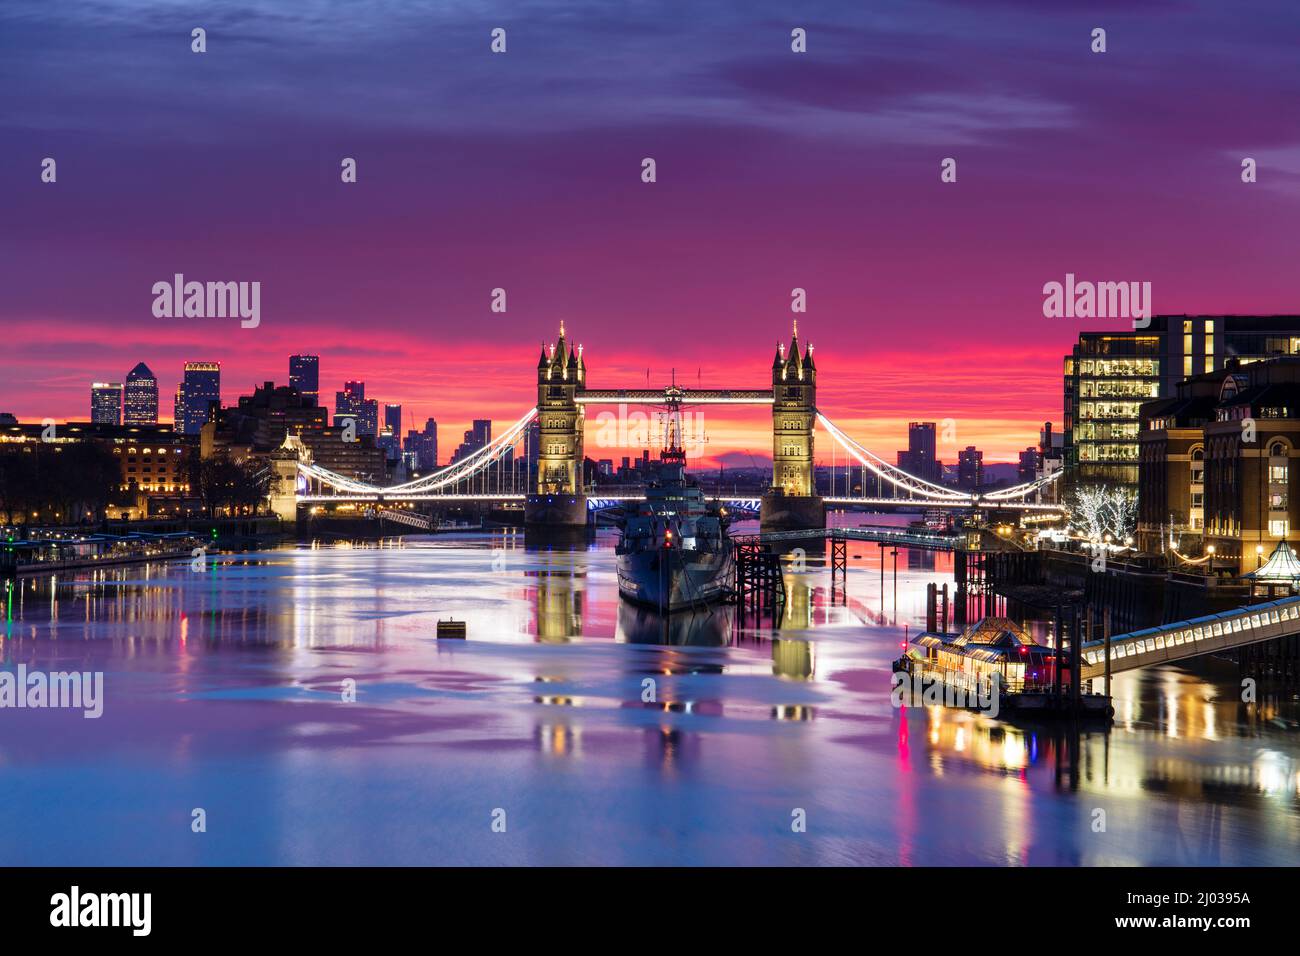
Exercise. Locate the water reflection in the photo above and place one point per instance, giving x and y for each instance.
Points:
(792, 658)
(558, 594)
(1121, 760)
(706, 627)
(547, 696)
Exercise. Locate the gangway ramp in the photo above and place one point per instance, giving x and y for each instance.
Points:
(1169, 643)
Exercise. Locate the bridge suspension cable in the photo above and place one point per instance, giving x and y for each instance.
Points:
(894, 475)
(928, 491)
(448, 477)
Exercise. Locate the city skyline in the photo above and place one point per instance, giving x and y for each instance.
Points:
(503, 182)
(737, 426)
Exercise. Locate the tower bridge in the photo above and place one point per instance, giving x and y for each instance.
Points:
(563, 398)
(556, 496)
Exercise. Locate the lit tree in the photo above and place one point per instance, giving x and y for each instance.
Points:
(1099, 510)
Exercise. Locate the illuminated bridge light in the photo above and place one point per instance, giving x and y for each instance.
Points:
(441, 484)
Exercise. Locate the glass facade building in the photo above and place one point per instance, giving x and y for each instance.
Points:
(1108, 375)
(199, 388)
(304, 375)
(140, 397)
(106, 403)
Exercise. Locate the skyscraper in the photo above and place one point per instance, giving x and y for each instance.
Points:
(140, 397)
(424, 446)
(479, 436)
(920, 458)
(393, 418)
(200, 386)
(304, 375)
(970, 468)
(352, 403)
(390, 436)
(106, 403)
(1031, 459)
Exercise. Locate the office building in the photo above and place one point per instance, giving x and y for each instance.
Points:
(479, 436)
(1027, 469)
(1171, 465)
(970, 468)
(155, 463)
(424, 446)
(351, 403)
(106, 403)
(1109, 375)
(140, 397)
(920, 459)
(304, 375)
(1219, 464)
(390, 435)
(200, 388)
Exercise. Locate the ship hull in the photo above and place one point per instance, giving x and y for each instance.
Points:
(675, 578)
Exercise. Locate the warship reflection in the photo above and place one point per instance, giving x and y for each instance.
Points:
(707, 627)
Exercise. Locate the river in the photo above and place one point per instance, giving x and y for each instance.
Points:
(569, 728)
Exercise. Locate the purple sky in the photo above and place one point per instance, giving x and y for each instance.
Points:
(522, 171)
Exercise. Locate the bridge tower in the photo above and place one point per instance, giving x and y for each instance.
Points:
(559, 499)
(283, 491)
(793, 501)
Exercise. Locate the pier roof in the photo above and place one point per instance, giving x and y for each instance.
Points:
(993, 632)
(1281, 566)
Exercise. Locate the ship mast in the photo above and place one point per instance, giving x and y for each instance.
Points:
(673, 450)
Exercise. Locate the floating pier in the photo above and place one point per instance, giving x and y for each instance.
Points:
(996, 658)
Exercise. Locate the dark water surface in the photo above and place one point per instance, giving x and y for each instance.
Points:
(224, 691)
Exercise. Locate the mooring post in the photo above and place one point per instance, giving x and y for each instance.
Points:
(1056, 659)
(1076, 659)
(895, 587)
(1105, 634)
(882, 581)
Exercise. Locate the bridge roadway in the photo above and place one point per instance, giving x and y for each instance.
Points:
(1202, 635)
(744, 502)
(686, 396)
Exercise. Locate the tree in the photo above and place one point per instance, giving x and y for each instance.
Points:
(1099, 510)
(86, 476)
(223, 481)
(18, 484)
